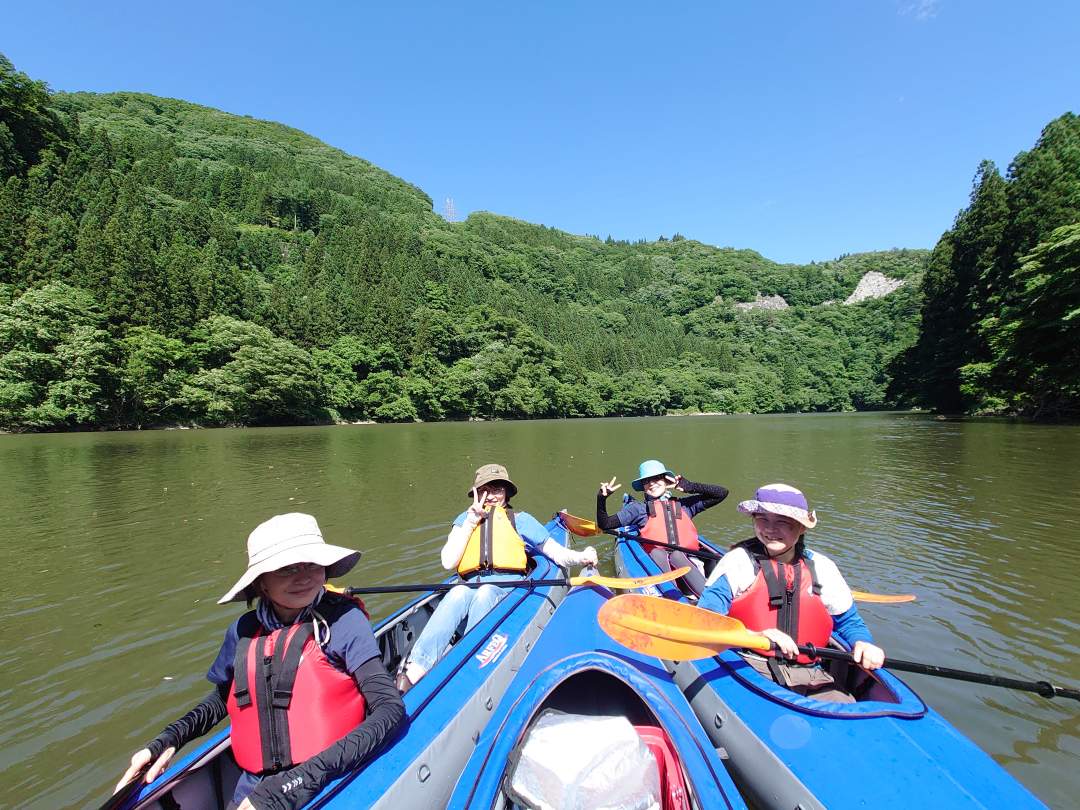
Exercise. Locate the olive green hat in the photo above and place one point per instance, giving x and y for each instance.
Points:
(493, 472)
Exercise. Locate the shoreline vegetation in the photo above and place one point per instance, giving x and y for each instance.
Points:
(163, 263)
(370, 422)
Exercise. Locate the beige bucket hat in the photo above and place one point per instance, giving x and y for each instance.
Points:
(287, 540)
(493, 472)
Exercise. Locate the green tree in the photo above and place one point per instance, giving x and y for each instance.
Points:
(249, 377)
(28, 124)
(56, 368)
(1037, 339)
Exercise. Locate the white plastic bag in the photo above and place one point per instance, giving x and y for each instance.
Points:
(581, 762)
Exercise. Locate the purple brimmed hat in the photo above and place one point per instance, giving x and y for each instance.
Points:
(780, 499)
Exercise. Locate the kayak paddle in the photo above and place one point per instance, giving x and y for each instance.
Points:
(882, 598)
(582, 527)
(858, 596)
(611, 583)
(130, 788)
(679, 632)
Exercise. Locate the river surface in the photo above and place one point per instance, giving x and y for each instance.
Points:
(116, 546)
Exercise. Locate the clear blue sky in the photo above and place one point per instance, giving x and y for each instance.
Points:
(802, 130)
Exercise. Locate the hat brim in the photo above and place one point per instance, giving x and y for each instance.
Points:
(638, 483)
(337, 561)
(807, 519)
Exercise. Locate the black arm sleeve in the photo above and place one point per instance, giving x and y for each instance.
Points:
(299, 785)
(705, 495)
(602, 520)
(207, 713)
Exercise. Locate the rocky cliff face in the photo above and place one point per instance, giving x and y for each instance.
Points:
(873, 285)
(764, 302)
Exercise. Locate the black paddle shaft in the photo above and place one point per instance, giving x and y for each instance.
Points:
(1044, 688)
(445, 586)
(705, 555)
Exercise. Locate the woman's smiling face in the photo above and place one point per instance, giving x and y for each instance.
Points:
(778, 533)
(656, 486)
(293, 587)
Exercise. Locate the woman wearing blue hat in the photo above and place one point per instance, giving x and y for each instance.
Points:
(663, 518)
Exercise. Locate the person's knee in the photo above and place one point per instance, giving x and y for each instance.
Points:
(488, 597)
(459, 597)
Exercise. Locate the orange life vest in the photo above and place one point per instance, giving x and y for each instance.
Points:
(494, 545)
(669, 524)
(288, 702)
(786, 596)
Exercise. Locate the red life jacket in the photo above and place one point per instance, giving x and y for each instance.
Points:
(288, 702)
(786, 596)
(669, 524)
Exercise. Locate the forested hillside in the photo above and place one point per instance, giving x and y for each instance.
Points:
(1001, 318)
(162, 262)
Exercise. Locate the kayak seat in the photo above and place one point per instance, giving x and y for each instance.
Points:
(672, 784)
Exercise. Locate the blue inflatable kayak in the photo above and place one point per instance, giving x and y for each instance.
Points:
(577, 669)
(446, 711)
(886, 750)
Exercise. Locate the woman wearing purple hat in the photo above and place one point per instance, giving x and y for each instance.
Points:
(780, 589)
(663, 518)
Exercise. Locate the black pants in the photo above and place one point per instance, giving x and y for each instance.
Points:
(692, 582)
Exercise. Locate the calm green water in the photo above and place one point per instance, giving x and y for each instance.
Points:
(116, 546)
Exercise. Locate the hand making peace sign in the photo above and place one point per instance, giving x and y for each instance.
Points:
(606, 488)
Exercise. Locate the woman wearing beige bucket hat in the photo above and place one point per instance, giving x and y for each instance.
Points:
(791, 595)
(342, 703)
(488, 541)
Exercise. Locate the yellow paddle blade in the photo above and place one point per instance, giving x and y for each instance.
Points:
(673, 630)
(582, 527)
(617, 583)
(883, 598)
(334, 588)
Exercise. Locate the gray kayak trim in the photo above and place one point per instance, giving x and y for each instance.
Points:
(430, 778)
(753, 765)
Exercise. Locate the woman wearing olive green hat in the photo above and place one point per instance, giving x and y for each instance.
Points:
(499, 555)
(663, 518)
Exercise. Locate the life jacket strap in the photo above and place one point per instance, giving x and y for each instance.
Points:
(263, 675)
(815, 583)
(290, 663)
(790, 610)
(487, 540)
(775, 581)
(241, 687)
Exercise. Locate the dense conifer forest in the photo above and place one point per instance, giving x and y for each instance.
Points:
(1001, 315)
(166, 263)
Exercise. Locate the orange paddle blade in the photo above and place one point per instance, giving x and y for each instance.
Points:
(582, 527)
(883, 598)
(628, 584)
(673, 630)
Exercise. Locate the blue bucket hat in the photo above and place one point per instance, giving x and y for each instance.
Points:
(649, 469)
